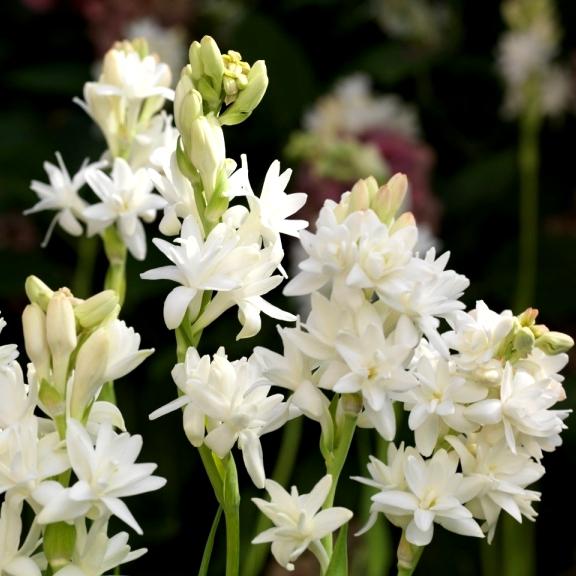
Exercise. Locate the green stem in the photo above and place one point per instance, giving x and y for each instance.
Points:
(408, 557)
(336, 459)
(232, 515)
(116, 252)
(490, 557)
(84, 273)
(213, 473)
(256, 556)
(518, 548)
(529, 165)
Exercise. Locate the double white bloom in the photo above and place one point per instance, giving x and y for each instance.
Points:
(298, 523)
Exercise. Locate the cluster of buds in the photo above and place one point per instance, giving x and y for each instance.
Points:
(214, 90)
(71, 343)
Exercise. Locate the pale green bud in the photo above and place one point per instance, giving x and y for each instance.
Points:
(187, 105)
(35, 341)
(405, 219)
(554, 343)
(235, 75)
(528, 317)
(350, 404)
(249, 97)
(359, 196)
(390, 198)
(51, 400)
(218, 203)
(213, 65)
(61, 334)
(207, 150)
(38, 292)
(98, 308)
(523, 342)
(58, 544)
(195, 57)
(90, 367)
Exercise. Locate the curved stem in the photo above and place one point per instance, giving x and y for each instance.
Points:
(408, 557)
(256, 555)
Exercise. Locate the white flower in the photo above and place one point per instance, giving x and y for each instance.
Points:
(61, 194)
(106, 472)
(27, 459)
(298, 523)
(15, 560)
(125, 199)
(178, 192)
(439, 403)
(502, 477)
(226, 402)
(154, 145)
(216, 263)
(352, 109)
(292, 370)
(256, 281)
(273, 207)
(424, 292)
(8, 352)
(434, 493)
(96, 554)
(375, 365)
(125, 73)
(476, 337)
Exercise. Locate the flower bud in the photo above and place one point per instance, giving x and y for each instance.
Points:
(35, 341)
(207, 150)
(390, 197)
(196, 68)
(235, 75)
(249, 97)
(528, 317)
(38, 292)
(61, 335)
(58, 544)
(187, 105)
(523, 342)
(212, 63)
(92, 312)
(89, 372)
(554, 343)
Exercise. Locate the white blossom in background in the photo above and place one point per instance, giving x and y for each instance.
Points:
(153, 146)
(299, 524)
(352, 109)
(226, 403)
(62, 195)
(106, 472)
(15, 560)
(95, 553)
(434, 494)
(126, 199)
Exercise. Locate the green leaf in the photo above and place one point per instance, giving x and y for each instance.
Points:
(339, 562)
(210, 544)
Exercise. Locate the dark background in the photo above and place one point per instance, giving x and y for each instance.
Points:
(46, 56)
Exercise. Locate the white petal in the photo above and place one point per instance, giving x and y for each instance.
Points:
(176, 304)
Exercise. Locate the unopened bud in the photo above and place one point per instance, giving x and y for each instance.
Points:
(212, 62)
(528, 317)
(61, 334)
(35, 341)
(235, 75)
(554, 343)
(90, 367)
(523, 342)
(98, 308)
(359, 196)
(58, 544)
(187, 105)
(38, 292)
(207, 150)
(249, 97)
(390, 198)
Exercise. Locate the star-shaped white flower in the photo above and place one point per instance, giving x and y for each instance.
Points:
(298, 523)
(435, 493)
(106, 473)
(61, 194)
(126, 199)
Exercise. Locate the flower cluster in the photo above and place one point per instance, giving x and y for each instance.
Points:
(480, 396)
(69, 466)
